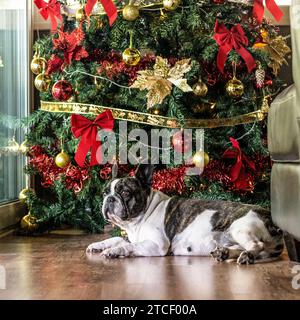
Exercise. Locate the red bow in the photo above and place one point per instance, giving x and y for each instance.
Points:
(88, 130)
(108, 6)
(232, 39)
(50, 9)
(238, 175)
(258, 10)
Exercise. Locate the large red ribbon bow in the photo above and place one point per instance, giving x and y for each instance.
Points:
(108, 6)
(232, 39)
(238, 175)
(88, 130)
(50, 9)
(258, 10)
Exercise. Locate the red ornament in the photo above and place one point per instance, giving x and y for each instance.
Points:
(62, 90)
(218, 1)
(182, 141)
(269, 82)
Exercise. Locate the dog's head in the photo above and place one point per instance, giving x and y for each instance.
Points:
(126, 198)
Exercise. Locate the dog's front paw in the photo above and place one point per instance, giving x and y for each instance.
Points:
(245, 258)
(95, 247)
(116, 252)
(220, 253)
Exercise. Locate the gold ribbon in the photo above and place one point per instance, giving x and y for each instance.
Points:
(151, 119)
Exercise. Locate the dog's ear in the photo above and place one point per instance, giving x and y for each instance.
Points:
(144, 174)
(114, 171)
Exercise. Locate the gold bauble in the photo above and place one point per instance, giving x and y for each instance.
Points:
(80, 15)
(24, 148)
(38, 65)
(62, 159)
(29, 222)
(23, 195)
(200, 159)
(155, 110)
(131, 56)
(42, 82)
(13, 146)
(171, 5)
(130, 12)
(123, 233)
(235, 88)
(200, 88)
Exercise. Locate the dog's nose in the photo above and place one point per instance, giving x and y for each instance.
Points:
(111, 199)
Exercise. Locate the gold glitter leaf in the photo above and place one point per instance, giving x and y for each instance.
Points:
(277, 49)
(159, 81)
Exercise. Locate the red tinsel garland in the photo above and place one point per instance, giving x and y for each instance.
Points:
(170, 181)
(111, 65)
(49, 172)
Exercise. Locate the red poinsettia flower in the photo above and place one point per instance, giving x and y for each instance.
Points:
(71, 45)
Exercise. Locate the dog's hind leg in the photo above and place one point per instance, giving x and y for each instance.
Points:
(226, 253)
(250, 243)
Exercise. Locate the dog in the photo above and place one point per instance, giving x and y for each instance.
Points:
(159, 225)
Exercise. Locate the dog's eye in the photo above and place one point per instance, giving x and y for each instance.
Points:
(125, 193)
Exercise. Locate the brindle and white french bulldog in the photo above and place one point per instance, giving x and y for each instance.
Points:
(158, 225)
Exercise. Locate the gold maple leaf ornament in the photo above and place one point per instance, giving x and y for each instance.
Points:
(276, 47)
(159, 81)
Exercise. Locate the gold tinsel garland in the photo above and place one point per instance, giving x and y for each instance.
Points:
(152, 119)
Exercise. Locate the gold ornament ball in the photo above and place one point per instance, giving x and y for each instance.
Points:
(24, 147)
(79, 15)
(235, 88)
(123, 233)
(13, 146)
(130, 12)
(23, 195)
(62, 159)
(171, 5)
(38, 65)
(200, 159)
(29, 222)
(200, 89)
(131, 56)
(42, 82)
(155, 110)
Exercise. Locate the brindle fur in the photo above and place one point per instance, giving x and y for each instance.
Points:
(181, 212)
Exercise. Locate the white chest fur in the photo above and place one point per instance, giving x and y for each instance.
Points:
(151, 225)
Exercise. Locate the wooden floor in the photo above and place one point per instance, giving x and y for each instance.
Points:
(56, 267)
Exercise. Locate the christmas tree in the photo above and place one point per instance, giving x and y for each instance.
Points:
(189, 64)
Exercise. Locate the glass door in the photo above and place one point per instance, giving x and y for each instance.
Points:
(14, 95)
